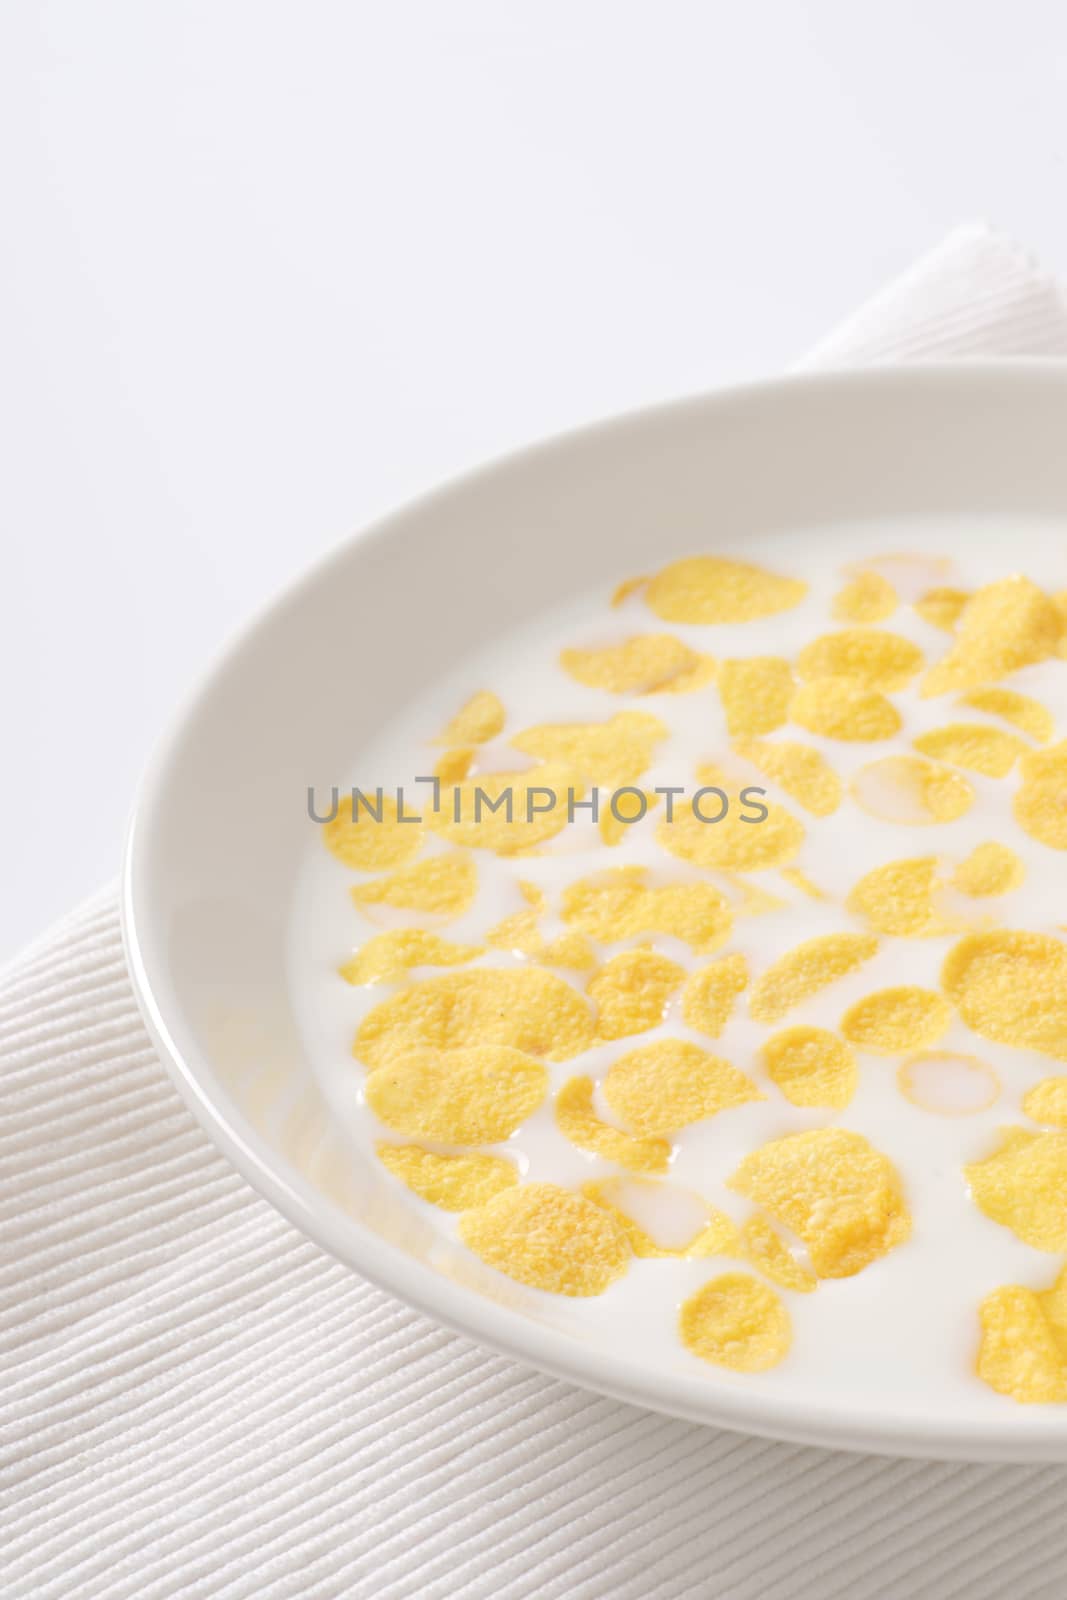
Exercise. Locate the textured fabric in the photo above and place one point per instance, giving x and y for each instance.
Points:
(197, 1403)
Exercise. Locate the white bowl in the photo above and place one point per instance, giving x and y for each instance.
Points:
(220, 828)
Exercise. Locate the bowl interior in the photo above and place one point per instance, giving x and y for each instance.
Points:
(221, 828)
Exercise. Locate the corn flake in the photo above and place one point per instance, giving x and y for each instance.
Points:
(577, 1120)
(1040, 805)
(1006, 625)
(455, 1183)
(390, 955)
(1011, 987)
(990, 869)
(893, 1020)
(897, 898)
(616, 820)
(766, 1250)
(698, 1229)
(868, 597)
(480, 720)
(755, 693)
(632, 992)
(734, 843)
(709, 995)
(506, 812)
(1023, 1348)
(651, 663)
(1019, 709)
(1047, 1102)
(442, 885)
(1023, 1186)
(841, 708)
(736, 1322)
(866, 656)
(548, 1238)
(660, 1087)
(942, 607)
(835, 1191)
(711, 589)
(912, 791)
(617, 905)
(358, 839)
(974, 746)
(811, 1066)
(807, 968)
(803, 772)
(612, 753)
(476, 1095)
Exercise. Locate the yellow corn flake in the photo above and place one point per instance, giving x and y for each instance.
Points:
(1040, 805)
(647, 1211)
(897, 898)
(480, 720)
(619, 905)
(891, 1021)
(667, 1085)
(625, 589)
(454, 765)
(650, 663)
(523, 1008)
(766, 1250)
(455, 1183)
(811, 1066)
(806, 969)
(390, 955)
(442, 885)
(803, 772)
(1047, 1102)
(711, 589)
(358, 839)
(1004, 626)
(577, 1120)
(632, 992)
(867, 598)
(990, 869)
(755, 693)
(736, 1322)
(709, 995)
(797, 880)
(1023, 1186)
(737, 842)
(751, 899)
(1011, 987)
(611, 753)
(1023, 1348)
(835, 1191)
(521, 934)
(616, 820)
(974, 746)
(942, 607)
(866, 656)
(548, 1238)
(948, 1084)
(1018, 709)
(841, 708)
(506, 812)
(912, 791)
(476, 1095)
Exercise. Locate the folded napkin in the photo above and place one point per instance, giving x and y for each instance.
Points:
(197, 1402)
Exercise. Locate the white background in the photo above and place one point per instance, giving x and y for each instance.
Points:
(270, 268)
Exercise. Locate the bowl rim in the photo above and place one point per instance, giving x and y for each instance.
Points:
(785, 1417)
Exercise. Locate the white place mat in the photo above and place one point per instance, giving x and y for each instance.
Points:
(197, 1402)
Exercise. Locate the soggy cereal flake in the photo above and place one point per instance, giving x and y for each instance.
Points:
(990, 869)
(454, 765)
(736, 1322)
(811, 1066)
(736, 843)
(523, 1008)
(389, 955)
(803, 772)
(712, 589)
(912, 791)
(973, 745)
(548, 1238)
(611, 753)
(797, 880)
(942, 607)
(577, 1120)
(649, 663)
(1023, 1347)
(444, 885)
(1047, 1102)
(893, 1020)
(1023, 1186)
(1040, 805)
(948, 1084)
(1025, 713)
(835, 1191)
(632, 991)
(506, 812)
(615, 823)
(359, 840)
(521, 934)
(806, 969)
(866, 656)
(841, 708)
(660, 1087)
(1011, 987)
(762, 1247)
(617, 905)
(755, 693)
(693, 1229)
(868, 597)
(897, 898)
(455, 1183)
(709, 995)
(476, 1095)
(480, 720)
(1004, 626)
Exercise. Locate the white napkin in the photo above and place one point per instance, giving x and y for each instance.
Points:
(197, 1402)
